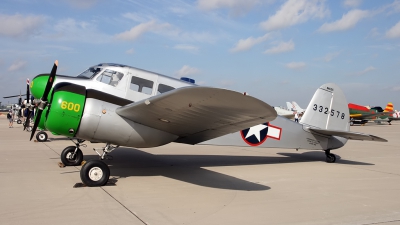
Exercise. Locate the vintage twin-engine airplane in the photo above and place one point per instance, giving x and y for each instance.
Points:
(124, 106)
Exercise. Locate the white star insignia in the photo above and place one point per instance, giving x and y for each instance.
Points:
(256, 131)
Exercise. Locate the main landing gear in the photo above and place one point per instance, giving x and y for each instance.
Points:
(96, 173)
(330, 158)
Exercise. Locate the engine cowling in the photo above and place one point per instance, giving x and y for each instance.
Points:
(65, 109)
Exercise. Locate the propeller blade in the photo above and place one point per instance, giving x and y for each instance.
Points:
(27, 91)
(13, 96)
(50, 81)
(44, 97)
(35, 125)
(26, 124)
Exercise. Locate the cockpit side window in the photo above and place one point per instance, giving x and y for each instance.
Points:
(164, 88)
(141, 85)
(110, 77)
(91, 72)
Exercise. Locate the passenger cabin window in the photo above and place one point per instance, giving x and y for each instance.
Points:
(164, 88)
(141, 85)
(110, 77)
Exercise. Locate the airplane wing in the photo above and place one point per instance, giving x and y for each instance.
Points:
(197, 114)
(368, 116)
(349, 135)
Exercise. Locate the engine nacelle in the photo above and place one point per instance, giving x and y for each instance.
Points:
(66, 108)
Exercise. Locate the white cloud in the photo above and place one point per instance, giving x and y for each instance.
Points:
(330, 56)
(167, 30)
(396, 88)
(394, 32)
(81, 31)
(237, 6)
(184, 47)
(20, 26)
(366, 70)
(282, 47)
(140, 29)
(246, 44)
(86, 4)
(374, 32)
(130, 51)
(347, 21)
(137, 17)
(18, 65)
(295, 12)
(352, 3)
(296, 65)
(187, 70)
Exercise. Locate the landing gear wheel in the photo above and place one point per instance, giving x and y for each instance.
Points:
(95, 173)
(68, 159)
(330, 158)
(41, 136)
(19, 121)
(29, 129)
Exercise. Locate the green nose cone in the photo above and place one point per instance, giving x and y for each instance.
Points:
(38, 85)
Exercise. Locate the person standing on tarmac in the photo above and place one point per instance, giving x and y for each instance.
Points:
(296, 117)
(10, 117)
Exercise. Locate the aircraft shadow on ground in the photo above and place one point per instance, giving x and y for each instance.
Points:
(128, 162)
(320, 155)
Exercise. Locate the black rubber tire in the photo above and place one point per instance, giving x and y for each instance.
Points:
(351, 123)
(41, 136)
(76, 161)
(19, 121)
(330, 158)
(95, 173)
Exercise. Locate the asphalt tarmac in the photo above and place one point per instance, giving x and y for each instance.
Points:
(182, 184)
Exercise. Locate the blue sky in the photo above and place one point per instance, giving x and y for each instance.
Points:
(276, 50)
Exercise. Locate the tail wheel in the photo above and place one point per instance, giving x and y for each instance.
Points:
(95, 173)
(19, 121)
(330, 158)
(69, 159)
(41, 136)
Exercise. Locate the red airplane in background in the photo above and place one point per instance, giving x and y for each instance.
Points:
(360, 114)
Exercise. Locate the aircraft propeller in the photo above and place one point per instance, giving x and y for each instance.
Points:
(43, 99)
(28, 106)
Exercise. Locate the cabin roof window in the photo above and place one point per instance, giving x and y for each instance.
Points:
(110, 77)
(91, 72)
(164, 88)
(141, 85)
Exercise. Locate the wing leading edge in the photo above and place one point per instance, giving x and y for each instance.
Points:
(198, 114)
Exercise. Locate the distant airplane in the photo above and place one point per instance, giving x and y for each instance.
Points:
(293, 106)
(391, 114)
(283, 112)
(361, 114)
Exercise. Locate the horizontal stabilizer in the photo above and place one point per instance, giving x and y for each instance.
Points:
(349, 135)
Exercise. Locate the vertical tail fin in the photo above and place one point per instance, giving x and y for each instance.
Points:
(389, 107)
(289, 106)
(328, 109)
(296, 106)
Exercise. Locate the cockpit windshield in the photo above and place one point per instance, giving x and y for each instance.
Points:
(91, 72)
